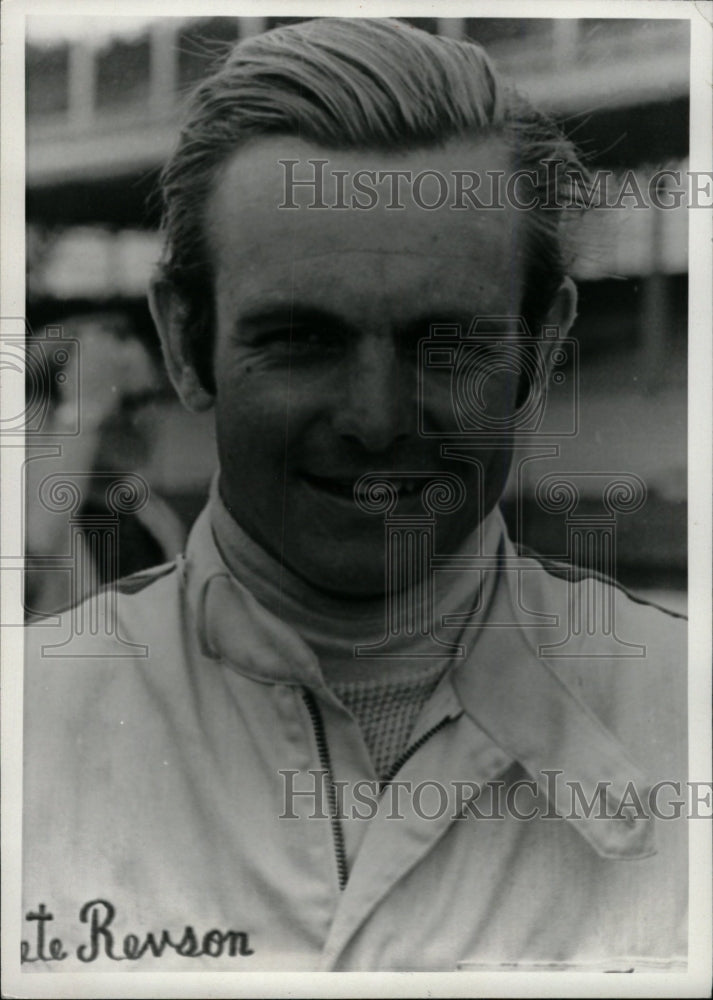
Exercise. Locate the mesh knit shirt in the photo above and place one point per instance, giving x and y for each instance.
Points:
(386, 709)
(385, 695)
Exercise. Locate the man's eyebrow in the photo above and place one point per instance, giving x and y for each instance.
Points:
(291, 314)
(286, 314)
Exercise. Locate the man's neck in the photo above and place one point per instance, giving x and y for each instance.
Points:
(334, 625)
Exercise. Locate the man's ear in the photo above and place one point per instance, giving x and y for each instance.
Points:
(561, 314)
(563, 311)
(169, 311)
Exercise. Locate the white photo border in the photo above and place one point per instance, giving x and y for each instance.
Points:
(695, 982)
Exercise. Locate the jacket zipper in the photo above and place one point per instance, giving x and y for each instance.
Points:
(408, 754)
(326, 765)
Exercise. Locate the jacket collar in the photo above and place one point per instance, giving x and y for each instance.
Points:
(515, 695)
(507, 689)
(233, 626)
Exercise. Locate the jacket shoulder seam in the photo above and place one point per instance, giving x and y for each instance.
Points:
(562, 570)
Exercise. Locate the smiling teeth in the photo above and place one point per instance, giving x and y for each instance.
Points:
(404, 487)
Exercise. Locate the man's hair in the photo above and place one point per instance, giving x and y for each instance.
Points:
(354, 84)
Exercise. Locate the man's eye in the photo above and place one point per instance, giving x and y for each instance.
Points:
(307, 337)
(301, 342)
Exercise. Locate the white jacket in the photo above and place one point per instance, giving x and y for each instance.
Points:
(156, 775)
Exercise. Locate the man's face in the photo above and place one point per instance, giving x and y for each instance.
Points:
(318, 318)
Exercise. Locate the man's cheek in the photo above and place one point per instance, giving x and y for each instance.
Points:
(500, 394)
(485, 404)
(247, 393)
(437, 404)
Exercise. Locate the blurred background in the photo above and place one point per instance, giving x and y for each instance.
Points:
(102, 105)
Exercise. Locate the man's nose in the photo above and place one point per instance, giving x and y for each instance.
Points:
(377, 408)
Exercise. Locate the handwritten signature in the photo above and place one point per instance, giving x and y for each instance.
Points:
(102, 942)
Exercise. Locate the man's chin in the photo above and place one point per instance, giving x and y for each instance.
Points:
(356, 565)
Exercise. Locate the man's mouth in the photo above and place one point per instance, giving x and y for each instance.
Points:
(344, 487)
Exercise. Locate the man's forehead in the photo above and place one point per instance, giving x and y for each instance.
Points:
(278, 196)
(265, 155)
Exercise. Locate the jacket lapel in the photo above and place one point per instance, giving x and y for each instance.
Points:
(515, 695)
